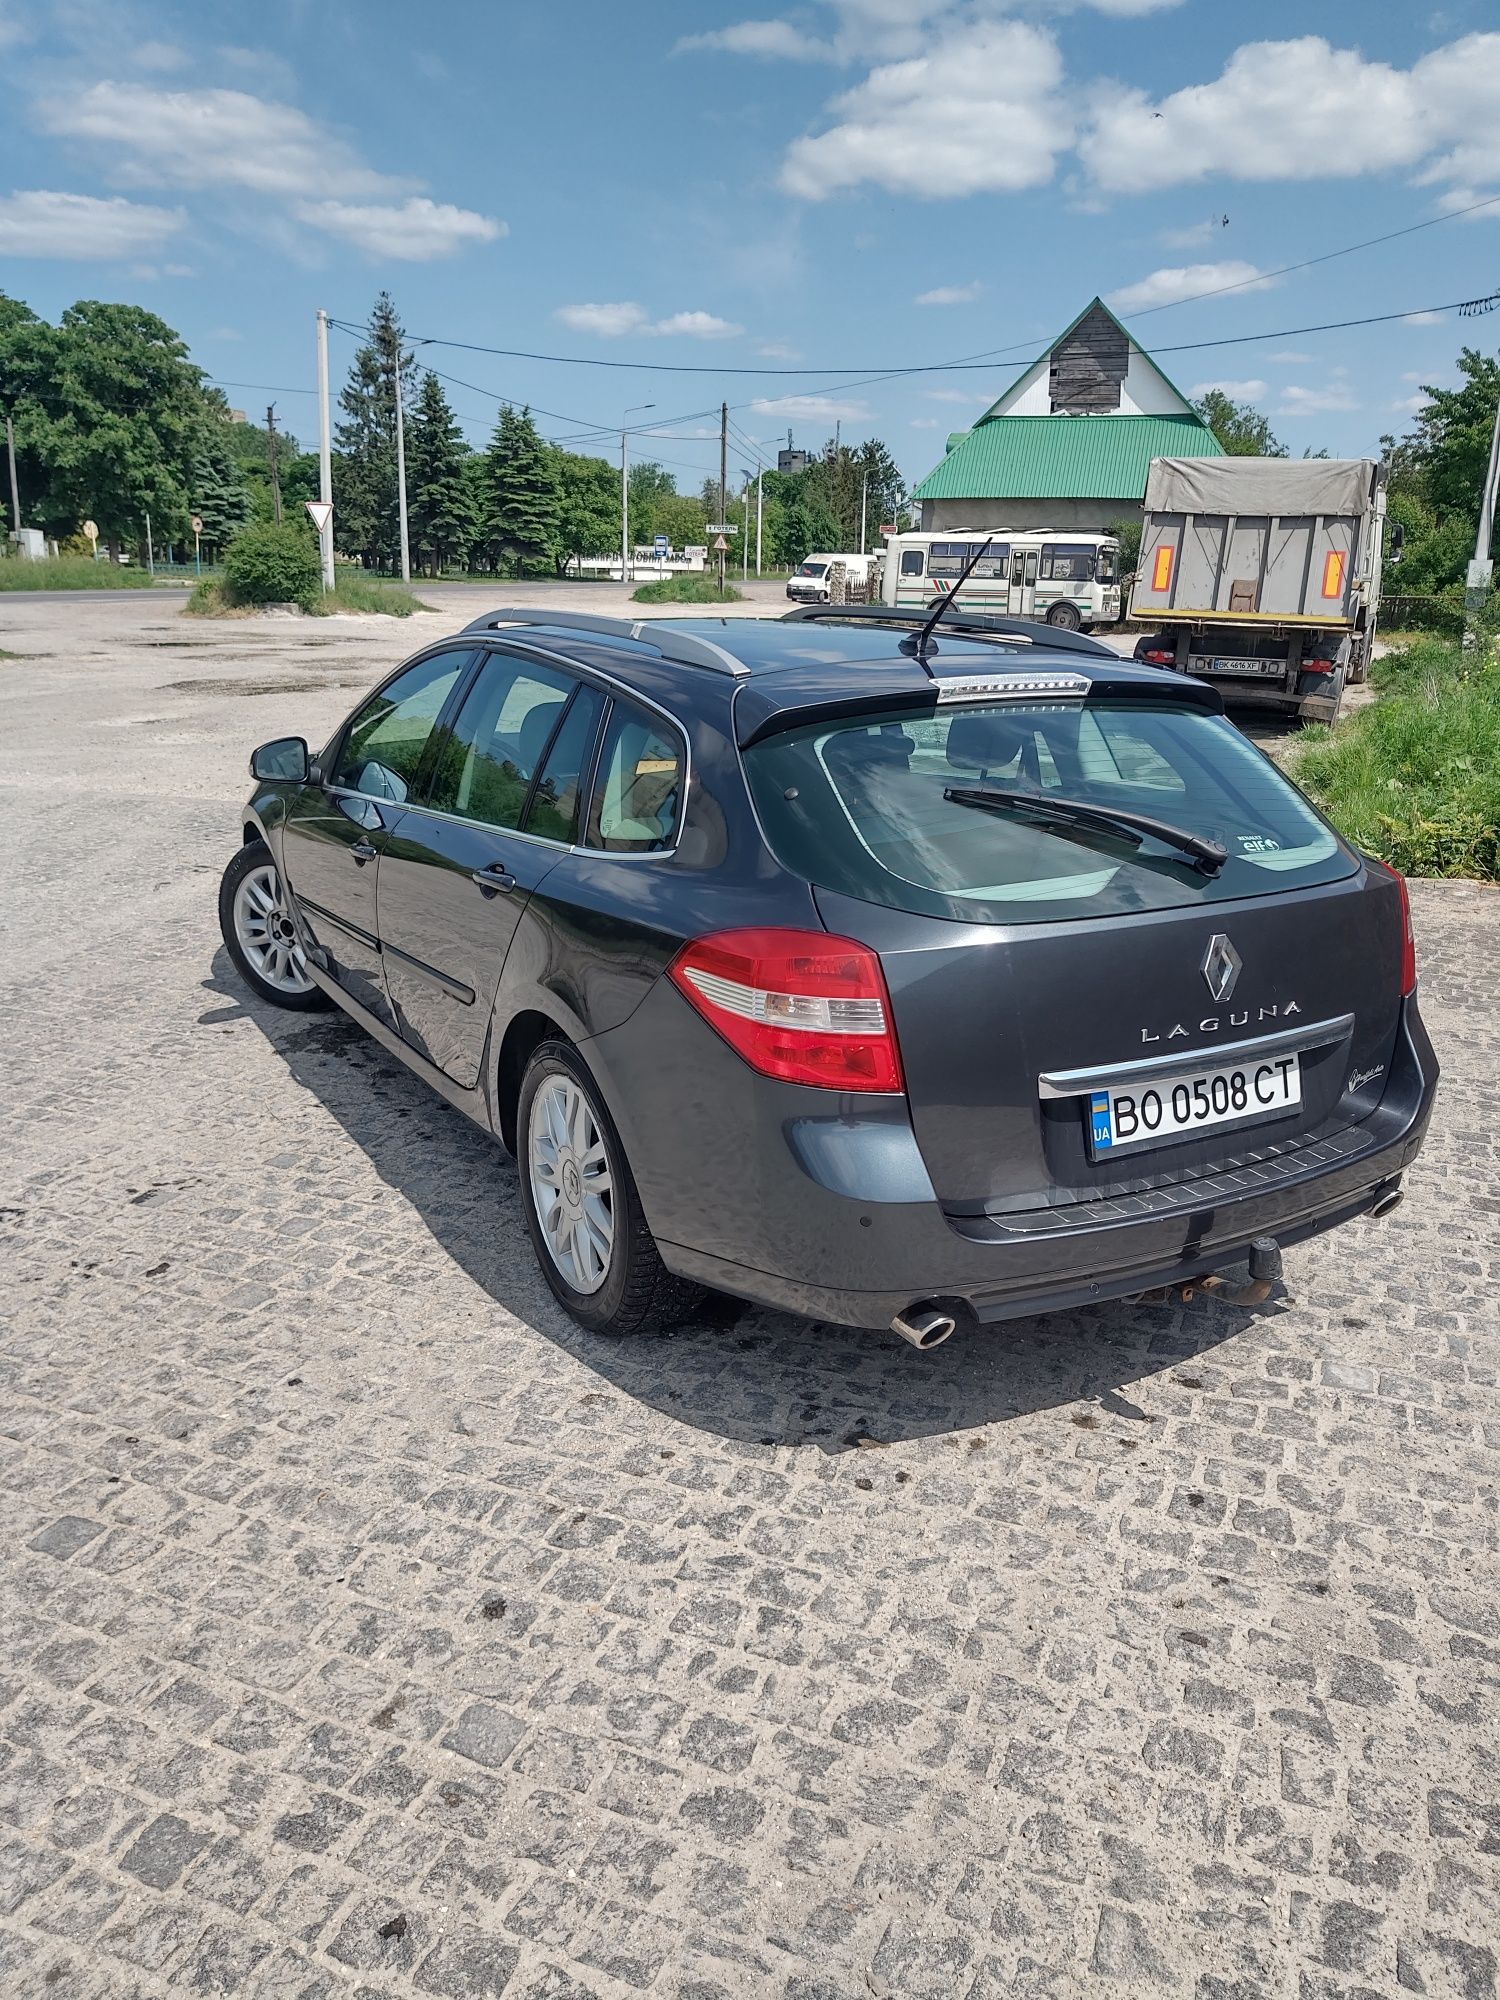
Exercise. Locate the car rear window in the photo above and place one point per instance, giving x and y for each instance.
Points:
(858, 805)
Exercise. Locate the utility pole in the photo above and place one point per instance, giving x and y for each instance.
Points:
(325, 455)
(760, 499)
(745, 544)
(864, 509)
(271, 457)
(723, 480)
(1482, 569)
(150, 556)
(15, 491)
(634, 410)
(401, 474)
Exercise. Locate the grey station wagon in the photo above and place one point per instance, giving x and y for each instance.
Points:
(895, 979)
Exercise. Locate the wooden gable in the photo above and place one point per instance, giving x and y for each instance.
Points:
(1088, 365)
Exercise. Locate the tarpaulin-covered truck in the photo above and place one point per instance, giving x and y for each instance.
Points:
(1262, 575)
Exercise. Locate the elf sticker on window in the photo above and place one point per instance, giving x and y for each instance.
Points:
(1333, 573)
(1161, 567)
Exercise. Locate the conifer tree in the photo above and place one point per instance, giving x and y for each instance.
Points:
(521, 527)
(365, 513)
(441, 520)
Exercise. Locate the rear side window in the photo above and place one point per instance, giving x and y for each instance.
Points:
(1067, 562)
(859, 806)
(638, 789)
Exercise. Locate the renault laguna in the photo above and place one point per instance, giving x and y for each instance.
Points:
(895, 972)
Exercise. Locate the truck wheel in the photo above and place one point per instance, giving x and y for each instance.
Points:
(1065, 617)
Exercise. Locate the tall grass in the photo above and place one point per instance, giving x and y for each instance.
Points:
(214, 599)
(1415, 778)
(71, 573)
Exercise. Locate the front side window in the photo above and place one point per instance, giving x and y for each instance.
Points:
(490, 755)
(1067, 562)
(1108, 566)
(384, 744)
(638, 790)
(860, 806)
(911, 562)
(813, 569)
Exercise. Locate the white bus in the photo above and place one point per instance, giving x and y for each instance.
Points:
(1069, 578)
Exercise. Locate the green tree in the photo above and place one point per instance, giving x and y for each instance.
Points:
(680, 517)
(1239, 427)
(29, 364)
(215, 492)
(521, 522)
(116, 425)
(366, 511)
(441, 515)
(1444, 459)
(588, 520)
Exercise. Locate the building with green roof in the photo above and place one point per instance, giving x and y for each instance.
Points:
(1069, 443)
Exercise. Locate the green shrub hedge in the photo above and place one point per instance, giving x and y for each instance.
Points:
(272, 564)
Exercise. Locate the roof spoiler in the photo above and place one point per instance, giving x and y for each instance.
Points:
(978, 624)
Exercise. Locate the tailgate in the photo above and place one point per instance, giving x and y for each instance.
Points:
(984, 1013)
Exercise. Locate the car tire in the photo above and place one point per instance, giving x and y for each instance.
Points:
(595, 1250)
(1065, 617)
(255, 919)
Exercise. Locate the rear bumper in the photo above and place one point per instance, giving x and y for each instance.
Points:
(825, 1209)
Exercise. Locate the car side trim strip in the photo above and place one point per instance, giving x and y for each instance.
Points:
(453, 987)
(366, 938)
(1075, 1082)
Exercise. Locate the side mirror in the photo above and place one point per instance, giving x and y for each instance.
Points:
(285, 760)
(1398, 540)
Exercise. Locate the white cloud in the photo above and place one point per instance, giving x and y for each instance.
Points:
(925, 424)
(225, 138)
(1299, 402)
(811, 409)
(625, 316)
(777, 350)
(959, 395)
(760, 38)
(1481, 207)
(1269, 115)
(1423, 319)
(12, 29)
(1248, 391)
(1187, 281)
(950, 295)
(1194, 236)
(1290, 357)
(1408, 406)
(416, 230)
(40, 223)
(158, 56)
(980, 111)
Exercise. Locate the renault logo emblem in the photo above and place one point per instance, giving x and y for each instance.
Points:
(1221, 966)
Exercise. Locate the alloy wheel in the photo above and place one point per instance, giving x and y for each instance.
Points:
(571, 1183)
(266, 934)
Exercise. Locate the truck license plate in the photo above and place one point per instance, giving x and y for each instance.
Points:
(1256, 667)
(1151, 1114)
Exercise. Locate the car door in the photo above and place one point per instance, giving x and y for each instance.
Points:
(335, 833)
(500, 808)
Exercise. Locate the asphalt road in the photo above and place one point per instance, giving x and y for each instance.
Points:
(369, 1631)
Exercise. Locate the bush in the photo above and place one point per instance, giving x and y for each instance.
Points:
(692, 588)
(354, 591)
(1415, 778)
(272, 565)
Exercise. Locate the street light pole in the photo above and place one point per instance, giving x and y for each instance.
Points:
(15, 491)
(759, 509)
(1482, 569)
(634, 410)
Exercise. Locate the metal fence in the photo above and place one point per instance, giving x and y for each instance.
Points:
(1421, 614)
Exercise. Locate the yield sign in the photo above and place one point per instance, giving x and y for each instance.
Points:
(321, 511)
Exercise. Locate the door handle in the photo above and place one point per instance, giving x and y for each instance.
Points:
(493, 880)
(362, 851)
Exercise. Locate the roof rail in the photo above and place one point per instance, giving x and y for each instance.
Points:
(976, 624)
(687, 648)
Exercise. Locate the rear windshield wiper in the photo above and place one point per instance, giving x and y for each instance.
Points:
(1206, 855)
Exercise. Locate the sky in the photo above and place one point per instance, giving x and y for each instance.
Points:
(812, 198)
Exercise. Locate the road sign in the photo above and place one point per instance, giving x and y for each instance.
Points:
(91, 529)
(321, 511)
(195, 521)
(722, 528)
(720, 545)
(661, 544)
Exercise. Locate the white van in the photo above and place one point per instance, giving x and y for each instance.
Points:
(811, 583)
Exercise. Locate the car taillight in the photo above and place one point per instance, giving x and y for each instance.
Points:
(1157, 656)
(1408, 940)
(800, 1005)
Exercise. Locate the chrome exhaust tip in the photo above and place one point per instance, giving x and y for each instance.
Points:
(924, 1327)
(1387, 1199)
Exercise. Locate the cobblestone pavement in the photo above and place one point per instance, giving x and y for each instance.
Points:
(367, 1630)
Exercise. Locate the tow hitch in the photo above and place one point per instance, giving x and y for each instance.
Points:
(1265, 1271)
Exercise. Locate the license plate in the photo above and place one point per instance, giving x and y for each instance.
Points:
(1176, 1107)
(1257, 668)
